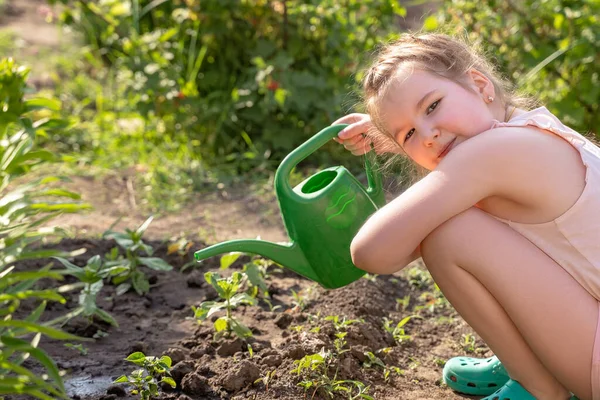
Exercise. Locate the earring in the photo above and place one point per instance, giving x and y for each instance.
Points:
(490, 99)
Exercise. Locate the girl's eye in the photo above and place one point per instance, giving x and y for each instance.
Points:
(433, 106)
(409, 134)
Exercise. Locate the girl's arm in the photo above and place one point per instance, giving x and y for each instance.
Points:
(498, 162)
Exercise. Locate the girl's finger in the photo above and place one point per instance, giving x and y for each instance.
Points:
(349, 119)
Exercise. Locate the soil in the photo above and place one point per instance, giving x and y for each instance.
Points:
(161, 322)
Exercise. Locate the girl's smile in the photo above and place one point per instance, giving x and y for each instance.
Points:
(428, 115)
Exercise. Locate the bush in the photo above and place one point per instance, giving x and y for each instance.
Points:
(550, 48)
(24, 208)
(238, 81)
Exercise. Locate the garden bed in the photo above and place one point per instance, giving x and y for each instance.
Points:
(300, 321)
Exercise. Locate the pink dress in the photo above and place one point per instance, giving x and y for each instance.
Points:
(573, 239)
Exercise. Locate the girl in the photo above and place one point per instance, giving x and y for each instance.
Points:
(506, 220)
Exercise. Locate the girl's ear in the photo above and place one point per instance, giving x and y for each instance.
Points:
(481, 84)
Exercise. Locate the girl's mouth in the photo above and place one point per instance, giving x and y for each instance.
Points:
(447, 148)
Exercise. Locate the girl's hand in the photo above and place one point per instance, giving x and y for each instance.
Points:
(354, 137)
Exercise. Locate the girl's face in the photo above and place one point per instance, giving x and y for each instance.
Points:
(429, 115)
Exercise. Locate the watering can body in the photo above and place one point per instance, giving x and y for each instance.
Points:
(322, 215)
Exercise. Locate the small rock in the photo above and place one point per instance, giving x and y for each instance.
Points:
(301, 317)
(270, 352)
(272, 361)
(195, 280)
(201, 350)
(176, 355)
(203, 370)
(244, 373)
(295, 352)
(188, 343)
(180, 370)
(358, 351)
(230, 347)
(260, 316)
(194, 384)
(116, 390)
(184, 397)
(283, 320)
(138, 346)
(108, 397)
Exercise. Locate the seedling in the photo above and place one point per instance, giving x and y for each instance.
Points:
(91, 276)
(468, 343)
(272, 308)
(402, 303)
(340, 343)
(398, 331)
(227, 289)
(419, 277)
(433, 299)
(302, 299)
(257, 271)
(129, 273)
(299, 301)
(314, 370)
(267, 379)
(343, 323)
(80, 348)
(371, 277)
(373, 360)
(145, 380)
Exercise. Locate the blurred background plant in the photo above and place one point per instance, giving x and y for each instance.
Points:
(182, 87)
(549, 48)
(186, 95)
(27, 204)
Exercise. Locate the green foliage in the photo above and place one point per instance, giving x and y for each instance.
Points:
(17, 379)
(145, 380)
(232, 81)
(92, 277)
(24, 209)
(257, 271)
(126, 271)
(314, 370)
(341, 324)
(372, 361)
(398, 331)
(227, 289)
(549, 47)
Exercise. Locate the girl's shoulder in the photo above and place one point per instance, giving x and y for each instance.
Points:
(526, 165)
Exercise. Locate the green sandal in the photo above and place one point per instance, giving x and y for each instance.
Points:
(512, 390)
(475, 376)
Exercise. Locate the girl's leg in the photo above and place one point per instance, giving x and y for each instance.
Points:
(535, 317)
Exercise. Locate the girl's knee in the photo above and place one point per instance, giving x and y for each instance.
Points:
(455, 227)
(443, 239)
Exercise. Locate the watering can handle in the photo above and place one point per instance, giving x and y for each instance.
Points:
(375, 187)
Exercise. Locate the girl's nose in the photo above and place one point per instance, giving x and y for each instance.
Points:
(430, 136)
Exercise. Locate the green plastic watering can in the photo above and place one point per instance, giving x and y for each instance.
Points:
(321, 216)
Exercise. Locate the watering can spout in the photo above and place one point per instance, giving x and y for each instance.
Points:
(288, 254)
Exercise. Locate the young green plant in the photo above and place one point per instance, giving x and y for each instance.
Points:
(145, 380)
(129, 274)
(92, 277)
(314, 371)
(227, 289)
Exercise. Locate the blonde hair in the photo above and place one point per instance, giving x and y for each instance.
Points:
(440, 54)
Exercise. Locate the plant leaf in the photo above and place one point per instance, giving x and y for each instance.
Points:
(155, 263)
